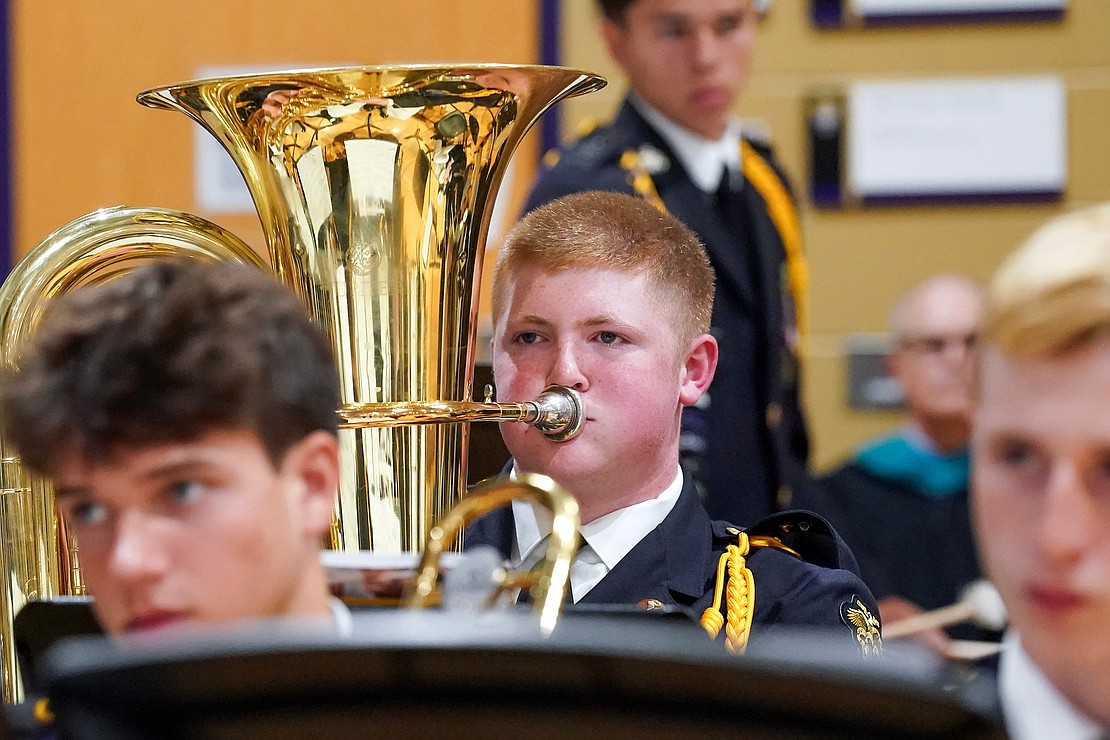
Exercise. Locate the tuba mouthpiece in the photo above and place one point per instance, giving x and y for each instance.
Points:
(558, 412)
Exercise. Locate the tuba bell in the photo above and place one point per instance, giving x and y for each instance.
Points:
(375, 188)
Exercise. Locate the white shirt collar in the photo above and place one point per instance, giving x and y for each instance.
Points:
(1032, 707)
(341, 617)
(610, 537)
(703, 159)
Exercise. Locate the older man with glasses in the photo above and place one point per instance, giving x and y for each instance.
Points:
(901, 501)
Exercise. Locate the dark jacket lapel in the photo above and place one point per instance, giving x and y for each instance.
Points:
(670, 564)
(496, 529)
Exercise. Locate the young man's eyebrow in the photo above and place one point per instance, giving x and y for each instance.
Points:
(64, 492)
(174, 468)
(602, 320)
(670, 18)
(532, 319)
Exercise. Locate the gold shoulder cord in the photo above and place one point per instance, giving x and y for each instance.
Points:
(736, 584)
(784, 215)
(780, 207)
(41, 712)
(582, 129)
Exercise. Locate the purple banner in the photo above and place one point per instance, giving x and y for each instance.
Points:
(7, 233)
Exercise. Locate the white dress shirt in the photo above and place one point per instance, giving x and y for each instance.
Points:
(703, 159)
(607, 539)
(1032, 707)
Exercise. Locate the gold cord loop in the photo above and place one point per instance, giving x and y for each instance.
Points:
(736, 586)
(640, 179)
(784, 215)
(739, 597)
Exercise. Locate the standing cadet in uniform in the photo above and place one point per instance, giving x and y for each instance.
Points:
(603, 293)
(674, 143)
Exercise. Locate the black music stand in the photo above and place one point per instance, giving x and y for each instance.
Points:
(427, 674)
(42, 623)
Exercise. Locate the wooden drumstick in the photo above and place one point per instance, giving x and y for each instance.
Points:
(979, 603)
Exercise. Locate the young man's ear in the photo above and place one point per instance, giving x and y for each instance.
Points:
(698, 369)
(614, 35)
(314, 461)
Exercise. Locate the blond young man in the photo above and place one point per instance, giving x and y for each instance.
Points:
(603, 293)
(1041, 475)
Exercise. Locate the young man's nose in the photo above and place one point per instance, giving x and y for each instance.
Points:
(136, 549)
(567, 370)
(1065, 528)
(959, 351)
(707, 48)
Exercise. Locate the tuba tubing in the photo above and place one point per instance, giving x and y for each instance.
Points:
(558, 413)
(547, 585)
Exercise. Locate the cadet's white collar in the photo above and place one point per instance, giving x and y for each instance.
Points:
(611, 536)
(703, 159)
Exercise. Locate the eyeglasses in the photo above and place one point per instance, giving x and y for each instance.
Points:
(935, 344)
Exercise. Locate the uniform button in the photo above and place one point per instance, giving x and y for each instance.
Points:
(784, 497)
(774, 414)
(650, 604)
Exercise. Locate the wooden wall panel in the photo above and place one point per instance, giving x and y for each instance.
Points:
(862, 259)
(81, 142)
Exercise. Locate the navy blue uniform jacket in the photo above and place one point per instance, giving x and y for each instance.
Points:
(676, 564)
(748, 449)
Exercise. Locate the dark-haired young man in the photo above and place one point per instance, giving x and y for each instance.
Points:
(186, 414)
(675, 143)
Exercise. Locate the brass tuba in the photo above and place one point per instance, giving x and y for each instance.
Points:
(375, 189)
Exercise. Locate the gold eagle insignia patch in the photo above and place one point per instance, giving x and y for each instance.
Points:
(869, 632)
